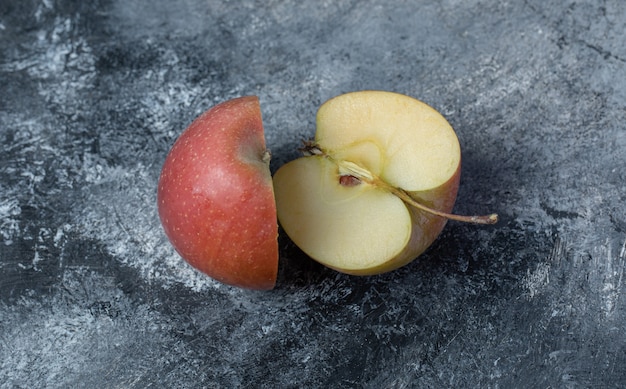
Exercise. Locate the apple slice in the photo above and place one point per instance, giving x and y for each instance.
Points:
(215, 196)
(377, 185)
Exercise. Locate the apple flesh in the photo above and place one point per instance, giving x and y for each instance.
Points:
(215, 196)
(377, 185)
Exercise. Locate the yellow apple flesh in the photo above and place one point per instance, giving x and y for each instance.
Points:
(357, 203)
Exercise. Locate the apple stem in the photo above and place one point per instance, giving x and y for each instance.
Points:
(267, 156)
(482, 219)
(358, 173)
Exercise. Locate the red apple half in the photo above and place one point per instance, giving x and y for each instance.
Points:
(215, 196)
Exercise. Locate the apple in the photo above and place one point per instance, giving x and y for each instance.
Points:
(373, 191)
(215, 196)
(375, 187)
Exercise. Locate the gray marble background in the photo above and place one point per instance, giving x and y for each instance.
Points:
(93, 94)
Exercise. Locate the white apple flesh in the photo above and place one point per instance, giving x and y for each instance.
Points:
(377, 187)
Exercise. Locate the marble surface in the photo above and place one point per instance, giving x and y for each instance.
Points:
(94, 93)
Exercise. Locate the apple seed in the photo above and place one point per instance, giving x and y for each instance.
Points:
(349, 180)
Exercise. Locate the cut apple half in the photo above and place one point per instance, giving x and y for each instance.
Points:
(215, 196)
(375, 187)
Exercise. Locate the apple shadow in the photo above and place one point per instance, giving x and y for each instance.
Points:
(295, 268)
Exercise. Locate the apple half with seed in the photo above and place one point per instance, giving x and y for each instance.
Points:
(215, 196)
(376, 186)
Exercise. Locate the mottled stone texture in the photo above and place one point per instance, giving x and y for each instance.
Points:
(93, 94)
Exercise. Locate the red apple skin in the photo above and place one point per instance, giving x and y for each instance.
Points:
(215, 196)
